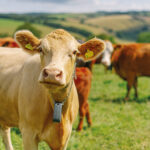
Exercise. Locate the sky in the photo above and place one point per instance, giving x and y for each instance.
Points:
(74, 6)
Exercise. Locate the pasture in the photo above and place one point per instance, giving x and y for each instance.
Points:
(116, 125)
(125, 27)
(9, 26)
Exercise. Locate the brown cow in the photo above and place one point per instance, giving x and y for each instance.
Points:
(83, 85)
(131, 61)
(37, 92)
(8, 42)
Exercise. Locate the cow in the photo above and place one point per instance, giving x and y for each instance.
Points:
(131, 61)
(83, 84)
(8, 42)
(105, 58)
(37, 91)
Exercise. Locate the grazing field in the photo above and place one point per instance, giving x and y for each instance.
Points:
(9, 26)
(124, 27)
(116, 125)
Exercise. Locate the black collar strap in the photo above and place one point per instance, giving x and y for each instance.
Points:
(58, 105)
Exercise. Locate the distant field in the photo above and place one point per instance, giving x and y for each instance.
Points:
(115, 22)
(9, 26)
(116, 125)
(125, 27)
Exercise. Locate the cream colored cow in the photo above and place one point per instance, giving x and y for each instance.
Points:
(33, 78)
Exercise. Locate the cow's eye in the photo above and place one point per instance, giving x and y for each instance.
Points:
(40, 49)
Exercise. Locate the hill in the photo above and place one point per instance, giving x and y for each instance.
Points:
(124, 26)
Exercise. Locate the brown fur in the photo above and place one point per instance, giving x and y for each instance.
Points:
(131, 61)
(83, 85)
(8, 42)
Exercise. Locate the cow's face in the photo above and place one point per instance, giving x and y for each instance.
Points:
(107, 53)
(58, 52)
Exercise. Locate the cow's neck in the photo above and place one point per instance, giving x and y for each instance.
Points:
(63, 94)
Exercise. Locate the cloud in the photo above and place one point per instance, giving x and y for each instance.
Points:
(47, 1)
(21, 6)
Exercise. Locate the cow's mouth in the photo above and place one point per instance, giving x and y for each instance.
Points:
(49, 84)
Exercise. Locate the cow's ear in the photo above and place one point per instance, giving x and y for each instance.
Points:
(91, 49)
(27, 41)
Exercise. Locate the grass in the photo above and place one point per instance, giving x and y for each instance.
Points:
(116, 125)
(9, 26)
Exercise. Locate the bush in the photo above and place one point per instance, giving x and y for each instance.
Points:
(132, 33)
(144, 37)
(30, 27)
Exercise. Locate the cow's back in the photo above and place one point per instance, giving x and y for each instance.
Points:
(11, 62)
(133, 58)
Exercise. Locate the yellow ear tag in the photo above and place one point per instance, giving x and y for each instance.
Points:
(89, 53)
(29, 46)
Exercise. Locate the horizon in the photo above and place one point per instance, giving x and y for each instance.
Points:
(121, 12)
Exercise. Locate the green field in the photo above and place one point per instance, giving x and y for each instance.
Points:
(124, 27)
(116, 125)
(9, 26)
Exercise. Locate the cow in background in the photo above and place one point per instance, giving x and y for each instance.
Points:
(105, 58)
(83, 84)
(131, 61)
(8, 42)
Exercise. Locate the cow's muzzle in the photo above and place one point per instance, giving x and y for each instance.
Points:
(52, 76)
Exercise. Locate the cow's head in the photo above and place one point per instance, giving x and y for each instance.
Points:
(107, 53)
(58, 51)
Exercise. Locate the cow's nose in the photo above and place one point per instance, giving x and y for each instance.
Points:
(54, 75)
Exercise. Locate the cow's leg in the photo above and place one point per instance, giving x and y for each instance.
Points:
(135, 87)
(130, 80)
(88, 117)
(5, 133)
(30, 141)
(82, 113)
(65, 145)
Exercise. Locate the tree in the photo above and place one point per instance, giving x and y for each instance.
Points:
(144, 37)
(30, 27)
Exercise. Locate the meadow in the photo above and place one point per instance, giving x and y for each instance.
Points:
(125, 27)
(9, 26)
(116, 125)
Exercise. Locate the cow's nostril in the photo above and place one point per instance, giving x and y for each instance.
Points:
(45, 73)
(59, 75)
